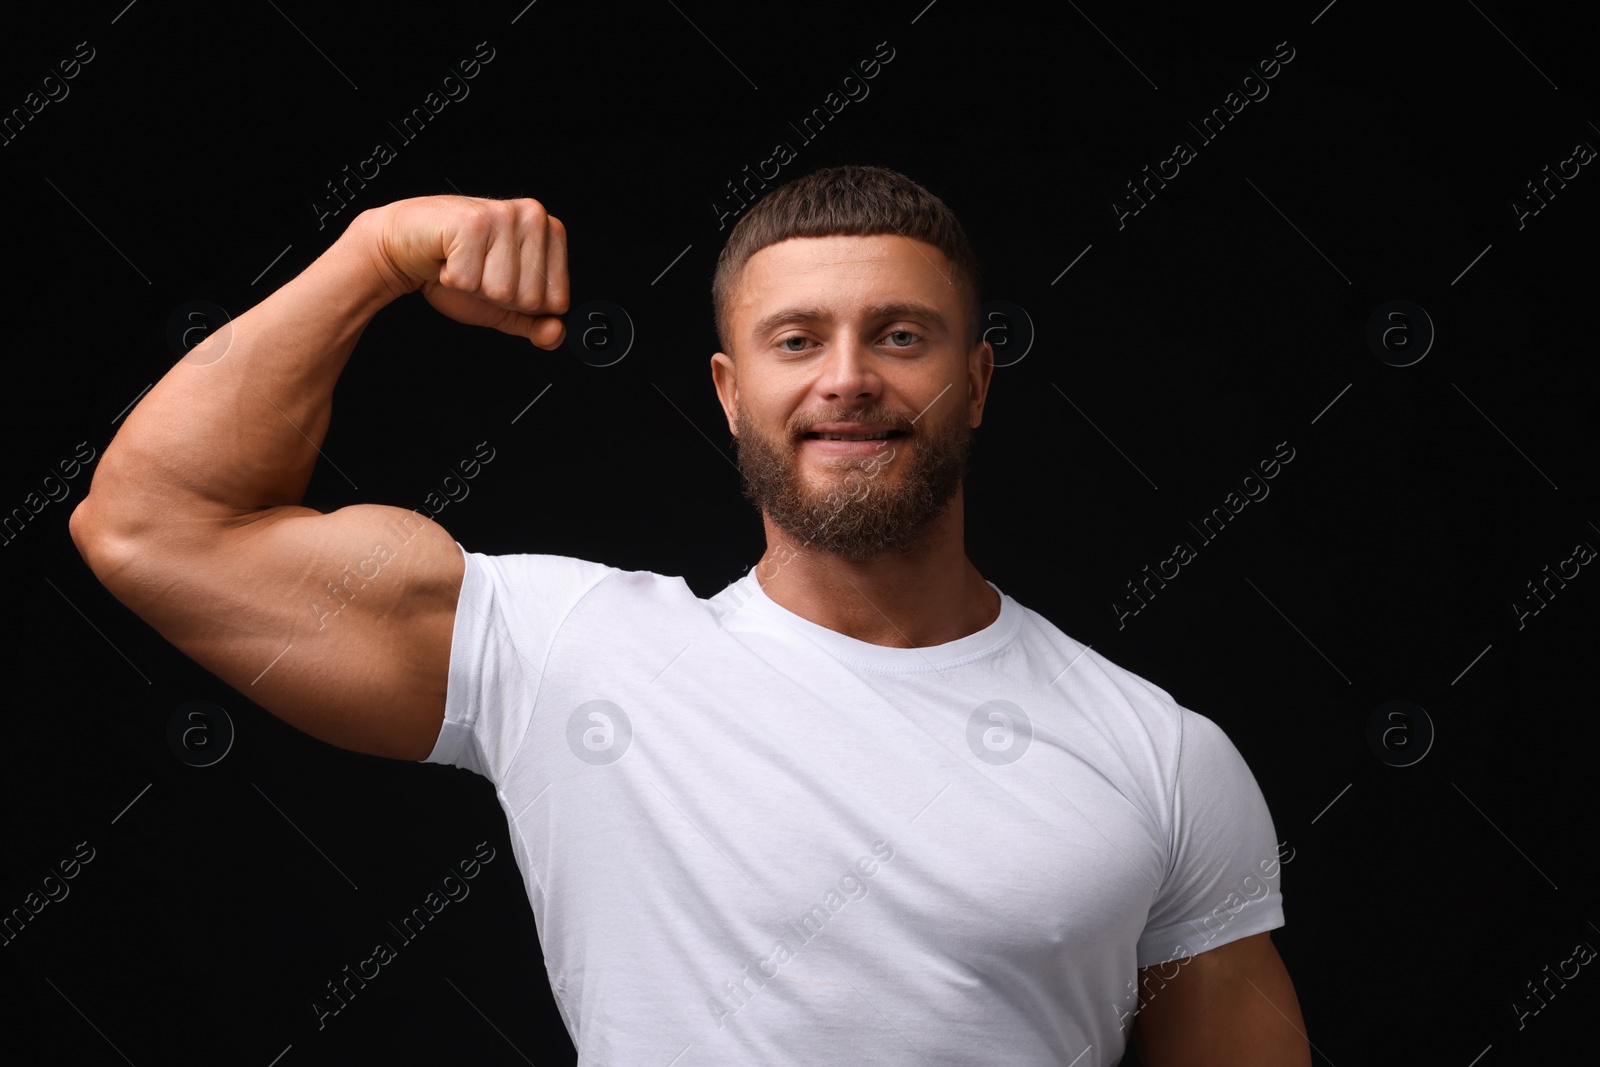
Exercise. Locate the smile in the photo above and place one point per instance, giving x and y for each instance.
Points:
(884, 436)
(872, 446)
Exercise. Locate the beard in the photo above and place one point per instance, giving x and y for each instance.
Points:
(865, 511)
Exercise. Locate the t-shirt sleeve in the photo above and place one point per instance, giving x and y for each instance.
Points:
(508, 614)
(1223, 878)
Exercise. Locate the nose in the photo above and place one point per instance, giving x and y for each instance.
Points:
(849, 372)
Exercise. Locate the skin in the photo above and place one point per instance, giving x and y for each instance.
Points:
(1230, 1006)
(194, 519)
(852, 360)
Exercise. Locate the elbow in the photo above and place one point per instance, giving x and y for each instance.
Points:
(79, 528)
(99, 548)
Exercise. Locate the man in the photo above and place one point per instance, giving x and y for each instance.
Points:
(860, 805)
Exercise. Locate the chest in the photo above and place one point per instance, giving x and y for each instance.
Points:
(706, 810)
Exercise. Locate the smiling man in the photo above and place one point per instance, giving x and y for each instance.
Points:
(853, 421)
(859, 806)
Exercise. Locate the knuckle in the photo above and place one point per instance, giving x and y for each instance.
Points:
(532, 212)
(474, 228)
(498, 289)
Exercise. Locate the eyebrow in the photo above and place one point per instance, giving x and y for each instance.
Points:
(794, 316)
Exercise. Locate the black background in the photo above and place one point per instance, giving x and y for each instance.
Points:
(1227, 316)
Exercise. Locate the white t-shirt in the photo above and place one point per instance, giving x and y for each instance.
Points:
(748, 838)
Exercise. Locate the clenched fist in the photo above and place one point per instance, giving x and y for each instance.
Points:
(499, 263)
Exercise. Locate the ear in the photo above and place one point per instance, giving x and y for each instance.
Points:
(980, 368)
(724, 376)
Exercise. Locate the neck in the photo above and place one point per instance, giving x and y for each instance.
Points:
(929, 596)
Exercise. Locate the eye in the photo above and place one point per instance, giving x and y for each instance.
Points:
(902, 338)
(796, 343)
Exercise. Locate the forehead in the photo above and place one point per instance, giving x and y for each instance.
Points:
(841, 275)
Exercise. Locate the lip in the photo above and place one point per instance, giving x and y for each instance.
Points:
(852, 448)
(851, 427)
(849, 448)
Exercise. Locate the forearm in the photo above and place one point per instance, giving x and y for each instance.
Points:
(236, 425)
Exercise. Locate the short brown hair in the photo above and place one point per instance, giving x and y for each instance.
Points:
(848, 201)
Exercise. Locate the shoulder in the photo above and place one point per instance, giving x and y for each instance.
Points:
(577, 590)
(1090, 678)
(521, 569)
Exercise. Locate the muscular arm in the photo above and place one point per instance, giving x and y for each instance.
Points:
(1231, 1006)
(340, 623)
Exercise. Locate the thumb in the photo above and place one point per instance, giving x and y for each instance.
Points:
(545, 331)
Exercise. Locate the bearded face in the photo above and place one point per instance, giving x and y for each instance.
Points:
(858, 504)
